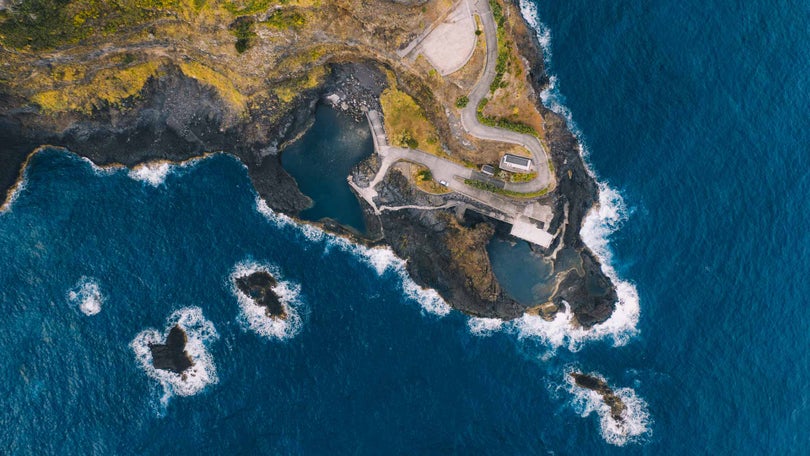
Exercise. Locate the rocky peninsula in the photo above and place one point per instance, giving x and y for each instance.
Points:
(169, 81)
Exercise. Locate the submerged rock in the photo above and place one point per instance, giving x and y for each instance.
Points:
(172, 355)
(259, 287)
(617, 406)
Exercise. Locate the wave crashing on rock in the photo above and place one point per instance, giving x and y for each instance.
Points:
(198, 333)
(269, 307)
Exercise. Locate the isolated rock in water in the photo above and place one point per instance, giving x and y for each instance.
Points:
(617, 407)
(259, 287)
(172, 356)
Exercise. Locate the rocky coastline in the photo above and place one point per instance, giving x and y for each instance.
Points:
(176, 118)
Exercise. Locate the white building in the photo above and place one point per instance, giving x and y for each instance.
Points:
(516, 164)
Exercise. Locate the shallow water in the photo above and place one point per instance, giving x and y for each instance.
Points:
(321, 160)
(523, 274)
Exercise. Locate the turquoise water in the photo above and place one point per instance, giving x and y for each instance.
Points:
(321, 160)
(694, 113)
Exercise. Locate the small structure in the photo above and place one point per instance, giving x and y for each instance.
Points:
(489, 170)
(516, 164)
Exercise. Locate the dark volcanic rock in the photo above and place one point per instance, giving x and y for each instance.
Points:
(447, 257)
(174, 118)
(172, 355)
(259, 287)
(617, 407)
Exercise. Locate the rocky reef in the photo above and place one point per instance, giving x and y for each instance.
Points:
(593, 383)
(172, 355)
(259, 287)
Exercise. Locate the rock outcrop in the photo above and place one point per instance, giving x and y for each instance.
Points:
(259, 287)
(172, 355)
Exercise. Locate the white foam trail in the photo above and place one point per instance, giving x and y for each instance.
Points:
(635, 426)
(381, 259)
(254, 318)
(200, 334)
(484, 326)
(87, 296)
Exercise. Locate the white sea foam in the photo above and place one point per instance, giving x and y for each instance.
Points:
(635, 425)
(484, 326)
(14, 193)
(200, 334)
(152, 173)
(254, 318)
(87, 296)
(381, 259)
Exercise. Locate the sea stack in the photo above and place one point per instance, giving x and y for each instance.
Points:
(172, 355)
(258, 286)
(617, 406)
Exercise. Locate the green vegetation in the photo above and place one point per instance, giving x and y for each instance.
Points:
(221, 83)
(46, 24)
(503, 47)
(424, 175)
(506, 124)
(110, 85)
(248, 7)
(243, 29)
(285, 19)
(290, 89)
(522, 177)
(406, 123)
(461, 102)
(500, 191)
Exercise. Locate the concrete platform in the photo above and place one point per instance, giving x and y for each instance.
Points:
(528, 231)
(451, 44)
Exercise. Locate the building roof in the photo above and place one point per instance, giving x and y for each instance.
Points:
(516, 160)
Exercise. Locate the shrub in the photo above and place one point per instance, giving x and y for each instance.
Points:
(461, 102)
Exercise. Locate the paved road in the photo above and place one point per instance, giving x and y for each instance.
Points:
(469, 118)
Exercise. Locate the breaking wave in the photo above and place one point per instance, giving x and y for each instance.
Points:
(200, 334)
(635, 426)
(381, 259)
(14, 192)
(253, 317)
(152, 173)
(87, 296)
(484, 326)
(155, 172)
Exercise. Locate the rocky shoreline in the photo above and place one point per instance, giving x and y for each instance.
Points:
(176, 118)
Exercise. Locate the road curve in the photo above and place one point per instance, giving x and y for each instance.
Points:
(469, 117)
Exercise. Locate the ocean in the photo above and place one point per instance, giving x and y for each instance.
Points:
(692, 116)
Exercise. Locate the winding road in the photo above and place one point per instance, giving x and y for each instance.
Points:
(523, 215)
(469, 117)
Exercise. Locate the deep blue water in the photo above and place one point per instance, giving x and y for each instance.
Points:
(698, 113)
(695, 112)
(322, 158)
